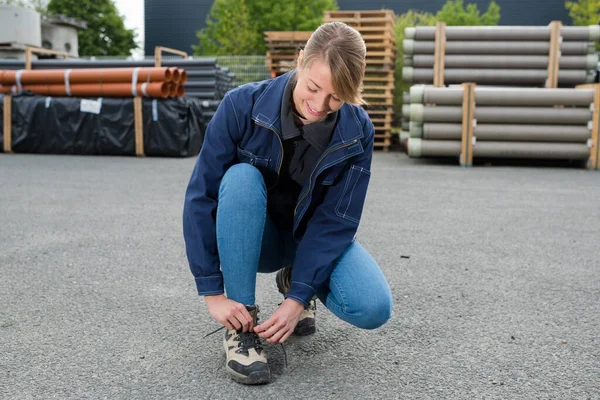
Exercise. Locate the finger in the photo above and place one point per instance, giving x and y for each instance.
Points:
(235, 323)
(226, 324)
(242, 320)
(278, 335)
(271, 331)
(286, 336)
(264, 326)
(245, 312)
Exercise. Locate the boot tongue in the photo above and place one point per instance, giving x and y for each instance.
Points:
(253, 310)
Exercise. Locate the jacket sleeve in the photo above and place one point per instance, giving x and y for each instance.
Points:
(331, 229)
(218, 153)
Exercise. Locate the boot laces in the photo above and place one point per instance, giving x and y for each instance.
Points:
(250, 340)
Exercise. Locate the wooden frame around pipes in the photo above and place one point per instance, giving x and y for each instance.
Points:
(468, 125)
(594, 160)
(554, 54)
(439, 60)
(7, 116)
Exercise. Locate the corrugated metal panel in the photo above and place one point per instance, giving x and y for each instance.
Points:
(174, 23)
(513, 12)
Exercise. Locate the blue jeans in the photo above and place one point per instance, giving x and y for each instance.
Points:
(249, 243)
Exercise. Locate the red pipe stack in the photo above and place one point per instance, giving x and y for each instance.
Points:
(101, 82)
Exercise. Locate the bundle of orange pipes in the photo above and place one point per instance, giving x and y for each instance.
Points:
(100, 82)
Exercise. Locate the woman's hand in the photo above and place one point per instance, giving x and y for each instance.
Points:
(282, 323)
(229, 313)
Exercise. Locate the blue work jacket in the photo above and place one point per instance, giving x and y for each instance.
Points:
(246, 128)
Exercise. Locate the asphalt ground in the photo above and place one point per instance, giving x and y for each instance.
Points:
(495, 273)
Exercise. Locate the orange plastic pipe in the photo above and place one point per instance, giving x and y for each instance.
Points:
(75, 76)
(173, 89)
(176, 75)
(152, 89)
(183, 74)
(180, 91)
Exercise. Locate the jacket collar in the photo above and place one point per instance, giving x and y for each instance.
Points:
(267, 112)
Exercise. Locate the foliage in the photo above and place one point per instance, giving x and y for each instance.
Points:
(584, 12)
(229, 30)
(454, 13)
(236, 26)
(106, 34)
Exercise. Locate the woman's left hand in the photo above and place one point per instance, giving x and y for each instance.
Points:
(282, 323)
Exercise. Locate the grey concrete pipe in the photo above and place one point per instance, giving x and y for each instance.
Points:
(568, 77)
(506, 115)
(503, 96)
(406, 97)
(504, 132)
(522, 150)
(586, 62)
(581, 33)
(499, 48)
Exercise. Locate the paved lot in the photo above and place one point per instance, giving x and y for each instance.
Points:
(499, 298)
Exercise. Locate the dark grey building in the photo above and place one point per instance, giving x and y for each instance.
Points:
(174, 23)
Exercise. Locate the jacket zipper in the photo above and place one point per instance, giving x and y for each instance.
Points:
(280, 145)
(316, 167)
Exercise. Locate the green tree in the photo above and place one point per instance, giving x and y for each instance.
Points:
(106, 34)
(584, 12)
(236, 26)
(454, 13)
(229, 30)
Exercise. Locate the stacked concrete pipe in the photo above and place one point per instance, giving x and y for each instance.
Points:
(501, 55)
(510, 122)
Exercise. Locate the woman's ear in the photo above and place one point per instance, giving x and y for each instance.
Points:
(299, 60)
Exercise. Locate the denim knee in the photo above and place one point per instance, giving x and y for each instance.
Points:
(373, 311)
(244, 182)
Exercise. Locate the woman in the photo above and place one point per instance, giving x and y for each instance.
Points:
(279, 185)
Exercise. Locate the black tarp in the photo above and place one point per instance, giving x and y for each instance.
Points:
(67, 125)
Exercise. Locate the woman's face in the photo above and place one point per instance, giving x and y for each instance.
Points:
(314, 97)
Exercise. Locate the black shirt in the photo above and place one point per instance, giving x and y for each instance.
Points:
(302, 146)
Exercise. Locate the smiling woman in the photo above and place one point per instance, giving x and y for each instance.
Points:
(279, 186)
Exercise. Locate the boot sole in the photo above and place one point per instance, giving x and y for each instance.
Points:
(255, 378)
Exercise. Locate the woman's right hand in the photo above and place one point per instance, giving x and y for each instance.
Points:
(229, 313)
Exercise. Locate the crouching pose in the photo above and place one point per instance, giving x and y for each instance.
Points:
(279, 186)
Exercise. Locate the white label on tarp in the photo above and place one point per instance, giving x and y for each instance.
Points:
(91, 106)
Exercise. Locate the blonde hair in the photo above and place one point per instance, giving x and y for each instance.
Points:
(344, 51)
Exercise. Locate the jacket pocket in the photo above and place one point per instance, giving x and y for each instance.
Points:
(352, 199)
(247, 157)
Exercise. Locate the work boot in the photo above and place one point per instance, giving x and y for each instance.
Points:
(306, 324)
(246, 359)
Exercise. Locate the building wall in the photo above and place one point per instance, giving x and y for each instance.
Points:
(512, 12)
(174, 23)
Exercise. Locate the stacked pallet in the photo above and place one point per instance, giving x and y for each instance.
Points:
(377, 30)
(526, 123)
(283, 49)
(550, 56)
